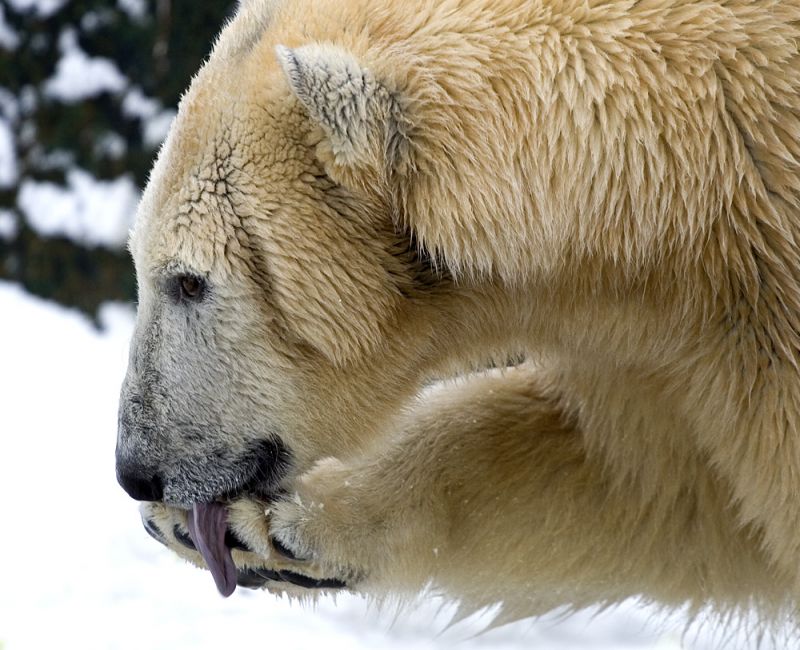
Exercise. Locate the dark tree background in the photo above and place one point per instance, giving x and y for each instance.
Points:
(157, 45)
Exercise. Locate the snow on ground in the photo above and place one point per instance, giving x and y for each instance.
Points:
(78, 571)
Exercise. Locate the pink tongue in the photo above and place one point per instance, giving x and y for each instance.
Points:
(207, 526)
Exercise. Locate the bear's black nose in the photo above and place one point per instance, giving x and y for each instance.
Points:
(139, 486)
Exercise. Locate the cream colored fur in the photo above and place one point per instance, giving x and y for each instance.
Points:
(610, 189)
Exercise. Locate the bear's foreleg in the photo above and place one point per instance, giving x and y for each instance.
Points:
(489, 494)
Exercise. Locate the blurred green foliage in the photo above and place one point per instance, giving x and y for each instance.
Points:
(157, 45)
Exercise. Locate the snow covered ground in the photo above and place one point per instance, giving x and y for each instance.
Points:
(78, 571)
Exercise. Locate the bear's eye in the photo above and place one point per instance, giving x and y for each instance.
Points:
(191, 287)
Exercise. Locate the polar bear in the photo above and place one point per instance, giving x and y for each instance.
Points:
(497, 296)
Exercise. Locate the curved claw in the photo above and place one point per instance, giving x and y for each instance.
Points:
(284, 551)
(311, 583)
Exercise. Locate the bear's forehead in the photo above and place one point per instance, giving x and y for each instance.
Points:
(240, 146)
(233, 148)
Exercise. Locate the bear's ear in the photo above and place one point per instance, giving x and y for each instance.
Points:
(362, 120)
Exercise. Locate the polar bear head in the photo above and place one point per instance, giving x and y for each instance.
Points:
(274, 272)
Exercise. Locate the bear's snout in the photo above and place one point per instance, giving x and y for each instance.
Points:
(137, 476)
(139, 483)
